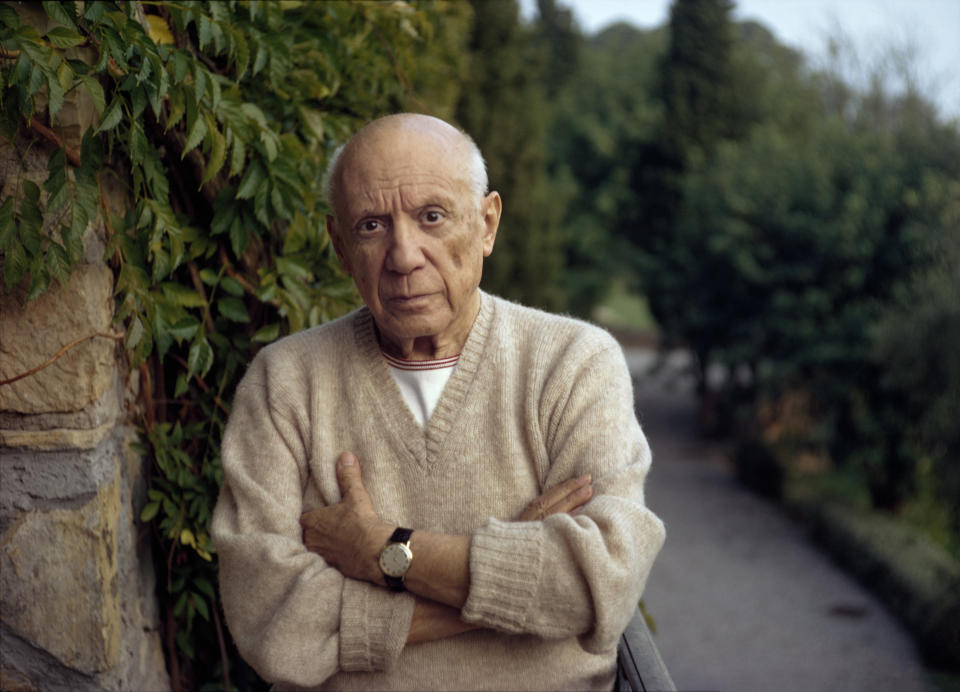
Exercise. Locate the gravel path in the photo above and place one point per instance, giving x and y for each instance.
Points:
(742, 600)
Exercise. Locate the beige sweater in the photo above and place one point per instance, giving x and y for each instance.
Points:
(536, 399)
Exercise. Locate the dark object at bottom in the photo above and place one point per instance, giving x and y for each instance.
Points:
(639, 666)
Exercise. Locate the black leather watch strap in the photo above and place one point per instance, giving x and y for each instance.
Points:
(394, 583)
(401, 535)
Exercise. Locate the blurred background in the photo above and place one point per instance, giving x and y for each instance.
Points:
(760, 199)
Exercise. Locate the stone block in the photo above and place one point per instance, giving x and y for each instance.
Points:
(31, 334)
(59, 579)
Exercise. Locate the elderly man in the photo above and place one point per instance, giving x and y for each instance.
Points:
(441, 490)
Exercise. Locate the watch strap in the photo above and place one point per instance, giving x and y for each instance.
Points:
(401, 535)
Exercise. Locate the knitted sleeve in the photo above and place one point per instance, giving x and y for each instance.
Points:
(295, 619)
(575, 575)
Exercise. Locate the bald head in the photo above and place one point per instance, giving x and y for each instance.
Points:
(405, 134)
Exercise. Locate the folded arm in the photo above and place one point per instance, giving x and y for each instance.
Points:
(349, 536)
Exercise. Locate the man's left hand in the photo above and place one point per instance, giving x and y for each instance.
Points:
(348, 535)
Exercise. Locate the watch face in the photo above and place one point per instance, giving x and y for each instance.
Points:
(395, 559)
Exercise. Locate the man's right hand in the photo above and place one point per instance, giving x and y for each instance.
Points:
(568, 497)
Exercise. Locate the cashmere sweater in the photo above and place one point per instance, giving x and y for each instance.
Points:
(535, 400)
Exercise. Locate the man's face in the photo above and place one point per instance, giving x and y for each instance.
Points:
(411, 234)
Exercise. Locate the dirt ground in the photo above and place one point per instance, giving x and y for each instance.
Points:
(742, 600)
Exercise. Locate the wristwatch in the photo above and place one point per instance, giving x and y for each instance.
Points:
(395, 558)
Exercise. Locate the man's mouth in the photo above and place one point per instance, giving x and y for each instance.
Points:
(410, 299)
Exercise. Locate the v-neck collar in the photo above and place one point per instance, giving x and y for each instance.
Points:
(423, 444)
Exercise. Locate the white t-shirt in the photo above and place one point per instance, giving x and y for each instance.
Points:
(421, 382)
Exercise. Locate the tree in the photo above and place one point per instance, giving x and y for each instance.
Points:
(504, 108)
(603, 111)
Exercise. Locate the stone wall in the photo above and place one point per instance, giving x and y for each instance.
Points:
(78, 608)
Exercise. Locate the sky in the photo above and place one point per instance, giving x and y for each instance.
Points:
(931, 28)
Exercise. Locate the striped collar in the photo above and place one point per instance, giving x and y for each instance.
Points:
(402, 364)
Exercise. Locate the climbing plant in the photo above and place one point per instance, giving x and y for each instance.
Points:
(216, 120)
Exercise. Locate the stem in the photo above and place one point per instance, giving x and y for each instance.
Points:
(72, 154)
(59, 354)
(221, 641)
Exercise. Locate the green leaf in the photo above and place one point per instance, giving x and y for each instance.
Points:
(62, 37)
(205, 586)
(204, 31)
(181, 386)
(149, 511)
(94, 11)
(261, 60)
(73, 242)
(66, 76)
(179, 294)
(180, 66)
(270, 143)
(181, 604)
(138, 142)
(233, 309)
(63, 12)
(112, 117)
(218, 156)
(238, 155)
(201, 606)
(7, 227)
(185, 328)
(251, 181)
(15, 265)
(231, 286)
(239, 236)
(138, 101)
(39, 280)
(134, 334)
(196, 134)
(313, 120)
(294, 267)
(54, 94)
(242, 53)
(199, 82)
(200, 358)
(185, 643)
(177, 108)
(9, 17)
(58, 262)
(267, 334)
(96, 93)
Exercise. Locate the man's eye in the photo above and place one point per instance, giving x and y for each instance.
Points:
(369, 226)
(432, 217)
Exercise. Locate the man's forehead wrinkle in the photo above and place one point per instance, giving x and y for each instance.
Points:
(380, 197)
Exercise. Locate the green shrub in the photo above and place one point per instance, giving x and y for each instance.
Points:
(216, 119)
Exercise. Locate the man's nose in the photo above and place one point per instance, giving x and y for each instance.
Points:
(405, 253)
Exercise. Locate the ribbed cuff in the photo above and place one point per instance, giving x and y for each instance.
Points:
(505, 564)
(374, 624)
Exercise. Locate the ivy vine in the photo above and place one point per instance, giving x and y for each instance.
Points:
(216, 120)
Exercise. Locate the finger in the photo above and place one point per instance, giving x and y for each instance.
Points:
(348, 475)
(564, 497)
(574, 500)
(556, 498)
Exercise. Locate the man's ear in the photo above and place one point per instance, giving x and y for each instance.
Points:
(490, 210)
(334, 234)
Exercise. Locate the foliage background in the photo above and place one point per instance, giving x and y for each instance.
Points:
(800, 235)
